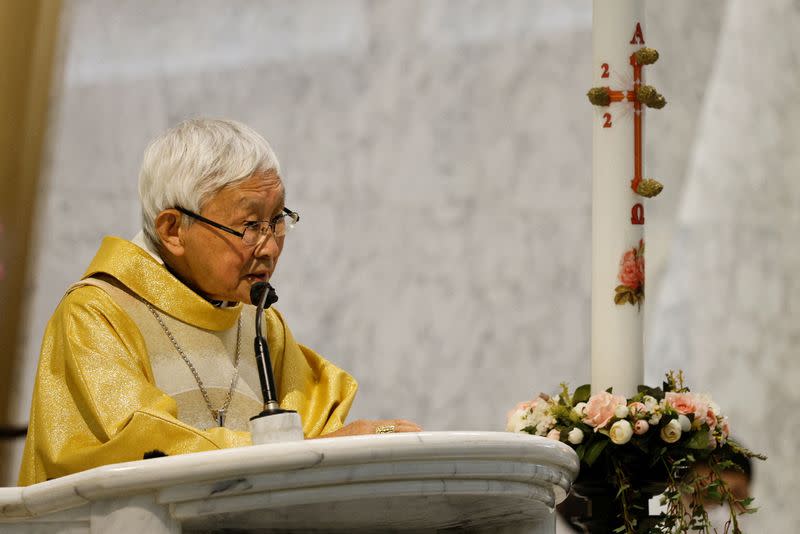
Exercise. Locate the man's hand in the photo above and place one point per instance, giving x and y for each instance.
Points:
(372, 426)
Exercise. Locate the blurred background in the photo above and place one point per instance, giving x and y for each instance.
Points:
(439, 153)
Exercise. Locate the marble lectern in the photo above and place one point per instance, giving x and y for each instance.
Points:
(428, 481)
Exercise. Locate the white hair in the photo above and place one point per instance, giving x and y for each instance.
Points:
(193, 161)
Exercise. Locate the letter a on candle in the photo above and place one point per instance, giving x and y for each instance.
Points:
(638, 38)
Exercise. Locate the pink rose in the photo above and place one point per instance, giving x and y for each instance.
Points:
(600, 409)
(689, 403)
(554, 434)
(629, 270)
(637, 408)
(682, 402)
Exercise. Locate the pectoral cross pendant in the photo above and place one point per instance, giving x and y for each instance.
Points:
(219, 415)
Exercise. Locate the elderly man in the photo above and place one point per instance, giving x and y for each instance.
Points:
(152, 349)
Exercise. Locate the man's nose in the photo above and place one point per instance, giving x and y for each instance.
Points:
(267, 247)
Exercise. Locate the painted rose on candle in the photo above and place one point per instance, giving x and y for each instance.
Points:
(631, 276)
(629, 270)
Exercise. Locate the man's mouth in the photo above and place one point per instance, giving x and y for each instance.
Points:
(257, 277)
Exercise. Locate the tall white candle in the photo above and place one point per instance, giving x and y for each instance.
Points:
(617, 337)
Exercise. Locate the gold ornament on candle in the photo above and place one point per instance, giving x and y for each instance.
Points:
(649, 188)
(599, 96)
(647, 95)
(646, 56)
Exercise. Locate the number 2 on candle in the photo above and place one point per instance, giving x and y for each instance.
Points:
(607, 117)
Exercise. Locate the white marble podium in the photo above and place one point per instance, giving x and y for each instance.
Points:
(423, 482)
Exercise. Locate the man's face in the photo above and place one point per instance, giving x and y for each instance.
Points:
(219, 264)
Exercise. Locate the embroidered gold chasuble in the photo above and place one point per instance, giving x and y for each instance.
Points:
(111, 386)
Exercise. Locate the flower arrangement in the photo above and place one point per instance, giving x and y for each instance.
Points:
(641, 446)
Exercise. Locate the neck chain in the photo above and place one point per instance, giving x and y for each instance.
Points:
(217, 415)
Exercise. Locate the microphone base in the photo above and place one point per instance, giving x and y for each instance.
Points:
(276, 426)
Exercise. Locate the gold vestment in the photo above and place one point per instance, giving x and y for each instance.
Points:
(110, 386)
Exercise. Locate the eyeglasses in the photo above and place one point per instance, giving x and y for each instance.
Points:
(254, 231)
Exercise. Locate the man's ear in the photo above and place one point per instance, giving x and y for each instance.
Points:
(168, 228)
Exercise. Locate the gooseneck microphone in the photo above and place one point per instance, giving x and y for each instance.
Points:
(263, 295)
(273, 424)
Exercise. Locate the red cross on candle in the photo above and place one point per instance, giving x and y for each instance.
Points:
(639, 94)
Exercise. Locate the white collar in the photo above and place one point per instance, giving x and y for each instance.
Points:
(143, 243)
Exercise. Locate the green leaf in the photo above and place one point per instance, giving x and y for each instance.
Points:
(698, 441)
(593, 451)
(582, 394)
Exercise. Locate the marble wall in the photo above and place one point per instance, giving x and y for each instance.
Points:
(440, 155)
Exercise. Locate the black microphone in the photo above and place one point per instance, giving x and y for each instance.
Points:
(263, 295)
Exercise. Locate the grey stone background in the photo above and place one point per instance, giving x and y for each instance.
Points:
(440, 155)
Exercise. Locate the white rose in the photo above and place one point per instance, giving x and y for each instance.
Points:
(671, 431)
(686, 425)
(621, 411)
(580, 409)
(575, 436)
(517, 421)
(541, 419)
(655, 419)
(650, 403)
(544, 425)
(621, 432)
